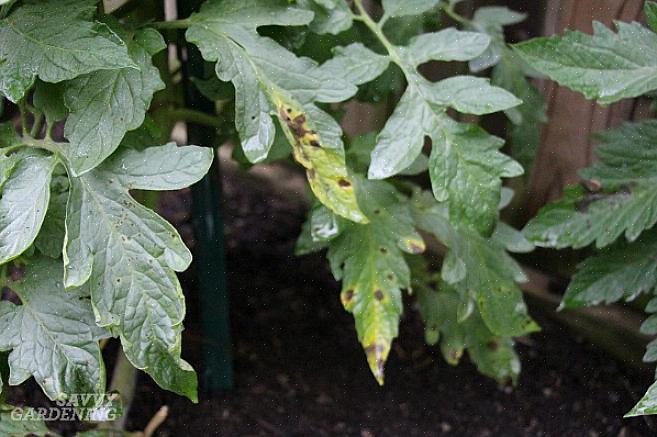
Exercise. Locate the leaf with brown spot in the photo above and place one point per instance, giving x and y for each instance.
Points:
(369, 258)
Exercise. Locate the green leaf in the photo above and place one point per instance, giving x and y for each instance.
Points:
(647, 405)
(471, 95)
(466, 170)
(369, 259)
(127, 255)
(55, 40)
(582, 218)
(331, 16)
(622, 271)
(510, 73)
(269, 79)
(399, 8)
(447, 45)
(355, 63)
(606, 66)
(49, 99)
(421, 113)
(497, 16)
(486, 273)
(25, 421)
(104, 105)
(627, 154)
(50, 240)
(24, 202)
(650, 11)
(52, 334)
(494, 356)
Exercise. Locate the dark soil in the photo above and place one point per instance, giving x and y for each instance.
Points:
(299, 370)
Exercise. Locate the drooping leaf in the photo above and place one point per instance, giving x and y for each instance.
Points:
(270, 79)
(622, 271)
(55, 40)
(480, 268)
(24, 202)
(606, 66)
(369, 260)
(127, 255)
(51, 334)
(104, 105)
(494, 356)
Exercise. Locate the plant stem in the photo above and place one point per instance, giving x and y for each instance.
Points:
(45, 144)
(377, 30)
(36, 127)
(173, 24)
(451, 13)
(193, 116)
(23, 111)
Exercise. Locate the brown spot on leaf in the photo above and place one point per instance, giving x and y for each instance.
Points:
(348, 295)
(314, 143)
(344, 183)
(378, 294)
(383, 250)
(492, 345)
(390, 277)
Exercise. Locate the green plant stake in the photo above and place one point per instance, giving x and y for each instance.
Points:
(217, 372)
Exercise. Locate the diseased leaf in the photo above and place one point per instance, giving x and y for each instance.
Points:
(485, 272)
(24, 202)
(52, 335)
(369, 260)
(127, 256)
(269, 79)
(104, 105)
(622, 271)
(494, 356)
(55, 40)
(605, 66)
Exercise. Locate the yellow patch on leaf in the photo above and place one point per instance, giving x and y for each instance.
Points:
(326, 168)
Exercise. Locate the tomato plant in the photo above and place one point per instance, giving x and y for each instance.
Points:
(615, 208)
(96, 94)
